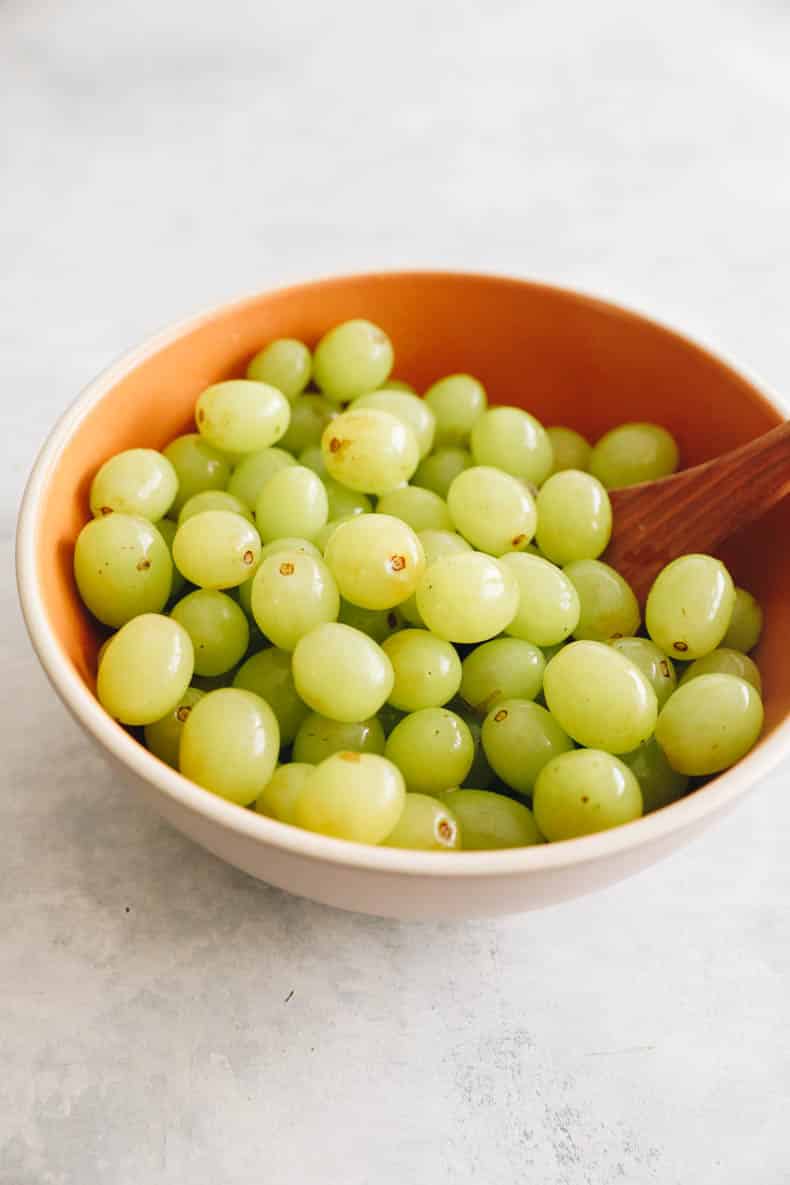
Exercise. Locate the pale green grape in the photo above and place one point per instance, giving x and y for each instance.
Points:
(313, 458)
(343, 502)
(433, 749)
(746, 623)
(122, 567)
(278, 798)
(585, 791)
(492, 510)
(138, 481)
(292, 593)
(310, 415)
(319, 737)
(378, 624)
(351, 359)
(548, 607)
(285, 364)
(240, 416)
(689, 606)
(268, 674)
(230, 744)
(369, 450)
(599, 697)
(434, 544)
(724, 661)
(480, 774)
(709, 723)
(290, 543)
(218, 629)
(437, 471)
(198, 467)
(519, 737)
(571, 450)
(507, 668)
(328, 530)
(413, 411)
(163, 737)
(354, 796)
(574, 517)
(427, 670)
(468, 597)
(253, 471)
(609, 608)
(425, 825)
(632, 453)
(421, 509)
(513, 440)
(167, 529)
(457, 402)
(652, 662)
(376, 560)
(145, 670)
(342, 673)
(213, 500)
(292, 503)
(216, 549)
(659, 782)
(491, 821)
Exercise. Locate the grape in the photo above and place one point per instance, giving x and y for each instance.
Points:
(354, 796)
(437, 471)
(351, 359)
(253, 471)
(609, 608)
(376, 560)
(145, 670)
(313, 458)
(139, 481)
(213, 500)
(548, 607)
(506, 668)
(319, 737)
(410, 409)
(290, 543)
(122, 567)
(268, 674)
(164, 736)
(434, 544)
(427, 670)
(724, 661)
(398, 385)
(198, 467)
(491, 821)
(278, 798)
(492, 510)
(342, 673)
(689, 606)
(425, 825)
(328, 530)
(310, 415)
(468, 597)
(216, 549)
(658, 781)
(652, 662)
(519, 737)
(632, 453)
(343, 502)
(292, 593)
(574, 517)
(746, 623)
(599, 697)
(570, 449)
(421, 509)
(218, 629)
(369, 450)
(167, 529)
(239, 416)
(708, 724)
(433, 749)
(292, 503)
(230, 743)
(585, 791)
(512, 440)
(378, 624)
(457, 402)
(285, 364)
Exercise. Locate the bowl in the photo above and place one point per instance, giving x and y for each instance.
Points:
(566, 357)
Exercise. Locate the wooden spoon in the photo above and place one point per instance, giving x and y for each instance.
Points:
(697, 509)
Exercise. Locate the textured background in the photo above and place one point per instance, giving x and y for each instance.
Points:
(163, 1019)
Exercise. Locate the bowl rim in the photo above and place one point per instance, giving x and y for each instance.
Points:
(85, 708)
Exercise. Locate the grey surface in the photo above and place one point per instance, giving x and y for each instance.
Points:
(163, 1019)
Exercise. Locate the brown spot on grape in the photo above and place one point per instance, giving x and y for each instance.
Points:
(445, 830)
(663, 666)
(352, 757)
(106, 510)
(501, 715)
(248, 558)
(183, 712)
(585, 798)
(397, 562)
(335, 444)
(680, 646)
(143, 565)
(517, 540)
(615, 637)
(286, 569)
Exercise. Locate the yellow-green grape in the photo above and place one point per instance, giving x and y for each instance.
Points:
(492, 510)
(240, 416)
(163, 737)
(659, 782)
(328, 530)
(599, 697)
(425, 825)
(319, 737)
(433, 749)
(213, 500)
(138, 481)
(491, 821)
(708, 724)
(574, 517)
(507, 668)
(421, 509)
(632, 453)
(413, 411)
(285, 364)
(167, 529)
(268, 674)
(218, 629)
(398, 385)
(548, 607)
(378, 624)
(145, 670)
(468, 597)
(253, 471)
(354, 796)
(519, 737)
(292, 503)
(376, 560)
(583, 792)
(480, 774)
(746, 623)
(290, 543)
(571, 450)
(278, 798)
(122, 567)
(427, 670)
(434, 544)
(342, 673)
(310, 415)
(513, 440)
(609, 608)
(437, 471)
(351, 359)
(657, 668)
(216, 549)
(724, 661)
(457, 403)
(689, 606)
(313, 458)
(230, 744)
(292, 593)
(369, 450)
(343, 502)
(198, 467)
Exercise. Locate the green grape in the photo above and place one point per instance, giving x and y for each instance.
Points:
(708, 724)
(519, 737)
(319, 737)
(433, 749)
(434, 544)
(513, 440)
(313, 458)
(388, 717)
(724, 661)
(145, 670)
(213, 500)
(216, 549)
(253, 471)
(585, 791)
(164, 736)
(139, 481)
(354, 796)
(369, 450)
(398, 385)
(437, 471)
(746, 623)
(548, 607)
(425, 825)
(328, 530)
(342, 673)
(290, 543)
(351, 359)
(278, 798)
(343, 502)
(574, 517)
(285, 364)
(570, 449)
(240, 416)
(167, 529)
(427, 670)
(378, 624)
(457, 402)
(659, 782)
(310, 415)
(410, 409)
(292, 593)
(268, 674)
(652, 662)
(198, 467)
(292, 503)
(609, 608)
(230, 743)
(689, 606)
(480, 774)
(218, 629)
(507, 668)
(376, 560)
(632, 453)
(600, 697)
(122, 567)
(421, 509)
(490, 821)
(468, 597)
(492, 510)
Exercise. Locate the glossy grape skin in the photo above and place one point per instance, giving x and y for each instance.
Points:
(437, 471)
(490, 821)
(433, 749)
(574, 517)
(216, 549)
(570, 449)
(213, 500)
(659, 782)
(724, 661)
(230, 744)
(376, 559)
(378, 624)
(467, 597)
(253, 471)
(633, 453)
(352, 359)
(353, 796)
(457, 401)
(285, 363)
(410, 409)
(292, 593)
(319, 737)
(292, 503)
(608, 607)
(343, 502)
(198, 467)
(689, 606)
(426, 825)
(709, 724)
(163, 736)
(138, 481)
(548, 608)
(239, 416)
(218, 629)
(421, 509)
(122, 567)
(367, 676)
(427, 670)
(167, 529)
(657, 668)
(600, 698)
(519, 737)
(328, 530)
(290, 543)
(507, 668)
(370, 451)
(746, 623)
(512, 440)
(310, 414)
(583, 792)
(278, 798)
(145, 669)
(434, 544)
(268, 674)
(492, 510)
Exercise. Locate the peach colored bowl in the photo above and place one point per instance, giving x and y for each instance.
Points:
(570, 360)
